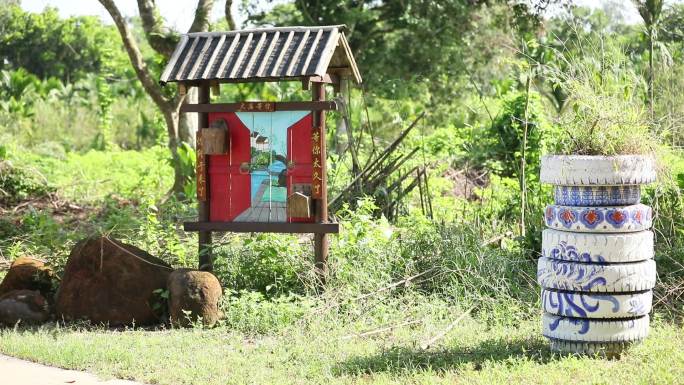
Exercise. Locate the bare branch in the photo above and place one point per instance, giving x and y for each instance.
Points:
(202, 14)
(229, 15)
(151, 86)
(161, 39)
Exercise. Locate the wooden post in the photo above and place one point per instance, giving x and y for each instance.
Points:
(321, 205)
(205, 258)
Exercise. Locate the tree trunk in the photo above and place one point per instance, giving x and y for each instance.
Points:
(229, 15)
(187, 125)
(171, 119)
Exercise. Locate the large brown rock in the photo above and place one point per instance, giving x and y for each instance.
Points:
(196, 292)
(25, 306)
(28, 274)
(106, 281)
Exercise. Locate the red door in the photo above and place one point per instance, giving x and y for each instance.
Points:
(229, 180)
(299, 160)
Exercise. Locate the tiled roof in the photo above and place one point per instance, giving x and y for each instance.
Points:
(261, 54)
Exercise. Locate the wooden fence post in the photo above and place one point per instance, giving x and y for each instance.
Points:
(321, 205)
(206, 261)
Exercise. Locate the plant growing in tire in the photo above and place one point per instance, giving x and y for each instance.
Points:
(596, 270)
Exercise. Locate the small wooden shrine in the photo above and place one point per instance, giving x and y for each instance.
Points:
(261, 165)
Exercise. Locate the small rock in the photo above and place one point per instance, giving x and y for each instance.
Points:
(28, 274)
(106, 281)
(25, 306)
(196, 292)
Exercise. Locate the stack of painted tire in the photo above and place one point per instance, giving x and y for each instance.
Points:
(597, 268)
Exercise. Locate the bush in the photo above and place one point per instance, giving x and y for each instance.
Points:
(271, 264)
(17, 185)
(502, 148)
(607, 115)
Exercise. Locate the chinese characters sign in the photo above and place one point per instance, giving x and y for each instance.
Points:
(200, 169)
(256, 107)
(316, 163)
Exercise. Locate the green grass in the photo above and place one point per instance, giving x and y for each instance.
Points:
(89, 177)
(322, 352)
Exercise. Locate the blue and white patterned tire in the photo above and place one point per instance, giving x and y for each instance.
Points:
(597, 248)
(595, 278)
(589, 170)
(604, 349)
(621, 195)
(592, 330)
(596, 305)
(615, 219)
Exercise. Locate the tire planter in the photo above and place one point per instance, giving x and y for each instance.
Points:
(596, 305)
(597, 195)
(597, 270)
(589, 170)
(596, 278)
(608, 219)
(597, 248)
(593, 330)
(605, 349)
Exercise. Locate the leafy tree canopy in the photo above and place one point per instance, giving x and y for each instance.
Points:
(49, 46)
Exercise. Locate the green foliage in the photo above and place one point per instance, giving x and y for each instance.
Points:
(404, 46)
(365, 254)
(502, 147)
(605, 92)
(17, 184)
(270, 264)
(48, 46)
(35, 112)
(104, 139)
(254, 313)
(188, 160)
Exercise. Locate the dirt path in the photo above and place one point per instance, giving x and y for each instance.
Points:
(19, 372)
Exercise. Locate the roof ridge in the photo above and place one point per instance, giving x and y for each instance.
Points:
(299, 28)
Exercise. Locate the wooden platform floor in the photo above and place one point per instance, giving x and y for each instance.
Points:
(264, 211)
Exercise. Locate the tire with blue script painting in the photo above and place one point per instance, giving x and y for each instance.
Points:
(590, 170)
(619, 195)
(609, 219)
(596, 278)
(596, 305)
(597, 248)
(593, 330)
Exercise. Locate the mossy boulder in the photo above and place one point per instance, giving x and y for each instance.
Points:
(106, 281)
(194, 295)
(27, 273)
(23, 306)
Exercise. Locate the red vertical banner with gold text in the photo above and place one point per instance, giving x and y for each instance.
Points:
(316, 162)
(200, 168)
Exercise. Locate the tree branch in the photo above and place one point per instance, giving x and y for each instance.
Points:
(202, 14)
(161, 40)
(229, 15)
(149, 84)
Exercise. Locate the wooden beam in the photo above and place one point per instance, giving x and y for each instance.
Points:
(321, 205)
(278, 106)
(263, 227)
(327, 78)
(206, 261)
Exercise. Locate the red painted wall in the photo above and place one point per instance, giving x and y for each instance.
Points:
(299, 152)
(229, 188)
